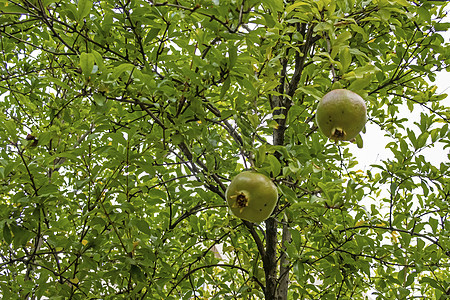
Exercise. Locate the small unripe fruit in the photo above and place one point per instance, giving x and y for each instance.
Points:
(252, 196)
(341, 115)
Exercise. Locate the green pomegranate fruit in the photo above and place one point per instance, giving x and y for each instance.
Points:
(341, 115)
(252, 196)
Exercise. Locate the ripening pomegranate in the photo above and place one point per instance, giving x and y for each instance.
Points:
(252, 196)
(341, 115)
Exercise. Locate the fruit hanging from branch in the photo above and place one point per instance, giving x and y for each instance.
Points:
(341, 115)
(252, 196)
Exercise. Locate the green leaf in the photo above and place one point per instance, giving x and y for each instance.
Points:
(275, 5)
(297, 239)
(87, 63)
(403, 292)
(432, 282)
(403, 2)
(98, 60)
(345, 58)
(20, 235)
(143, 226)
(247, 84)
(137, 273)
(152, 34)
(342, 39)
(7, 234)
(10, 7)
(442, 26)
(232, 55)
(299, 270)
(57, 82)
(10, 126)
(422, 139)
(424, 13)
(288, 193)
(84, 8)
(126, 67)
(275, 165)
(270, 22)
(360, 30)
(49, 189)
(433, 224)
(359, 141)
(291, 7)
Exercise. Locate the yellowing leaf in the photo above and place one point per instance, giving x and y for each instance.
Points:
(74, 280)
(395, 236)
(359, 223)
(84, 242)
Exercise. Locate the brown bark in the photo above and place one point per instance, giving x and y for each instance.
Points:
(277, 288)
(270, 259)
(283, 286)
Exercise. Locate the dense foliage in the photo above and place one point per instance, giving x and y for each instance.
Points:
(123, 121)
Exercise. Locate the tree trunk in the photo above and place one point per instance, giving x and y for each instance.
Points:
(270, 259)
(282, 290)
(281, 107)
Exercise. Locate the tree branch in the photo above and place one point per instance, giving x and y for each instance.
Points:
(436, 242)
(256, 238)
(282, 290)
